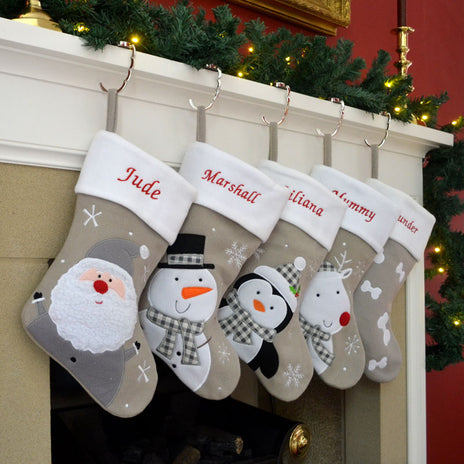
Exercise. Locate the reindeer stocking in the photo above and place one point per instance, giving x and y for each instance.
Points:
(374, 296)
(83, 314)
(236, 209)
(259, 314)
(327, 316)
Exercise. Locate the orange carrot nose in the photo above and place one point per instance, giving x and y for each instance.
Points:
(259, 306)
(190, 292)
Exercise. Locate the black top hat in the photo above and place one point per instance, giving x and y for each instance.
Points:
(187, 252)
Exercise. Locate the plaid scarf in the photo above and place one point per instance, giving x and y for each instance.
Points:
(241, 324)
(187, 330)
(317, 336)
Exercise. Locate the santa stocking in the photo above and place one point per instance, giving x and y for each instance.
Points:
(259, 314)
(374, 296)
(236, 208)
(327, 316)
(83, 313)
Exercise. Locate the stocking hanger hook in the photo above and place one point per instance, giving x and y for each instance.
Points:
(211, 67)
(380, 145)
(129, 71)
(340, 119)
(281, 85)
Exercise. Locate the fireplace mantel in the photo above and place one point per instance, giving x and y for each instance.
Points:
(52, 106)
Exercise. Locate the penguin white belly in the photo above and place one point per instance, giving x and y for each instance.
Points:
(192, 375)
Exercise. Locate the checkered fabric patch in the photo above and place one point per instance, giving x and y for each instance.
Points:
(326, 266)
(317, 336)
(290, 273)
(184, 327)
(185, 259)
(240, 323)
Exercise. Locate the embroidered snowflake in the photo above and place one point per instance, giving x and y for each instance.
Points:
(224, 353)
(352, 345)
(293, 375)
(91, 216)
(258, 253)
(237, 255)
(143, 369)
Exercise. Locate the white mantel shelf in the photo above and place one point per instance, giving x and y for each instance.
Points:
(52, 106)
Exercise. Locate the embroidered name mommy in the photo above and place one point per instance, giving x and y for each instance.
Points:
(237, 189)
(300, 199)
(408, 224)
(148, 188)
(362, 210)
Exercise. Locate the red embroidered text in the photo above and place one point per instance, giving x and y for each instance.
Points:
(148, 188)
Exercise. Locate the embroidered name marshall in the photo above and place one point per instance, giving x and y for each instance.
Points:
(362, 210)
(237, 189)
(148, 188)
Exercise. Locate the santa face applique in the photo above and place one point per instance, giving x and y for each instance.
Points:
(94, 306)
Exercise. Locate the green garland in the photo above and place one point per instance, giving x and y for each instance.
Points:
(309, 66)
(443, 177)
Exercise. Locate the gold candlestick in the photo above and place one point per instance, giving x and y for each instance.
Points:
(37, 17)
(403, 49)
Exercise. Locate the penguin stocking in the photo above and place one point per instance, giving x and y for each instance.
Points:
(83, 313)
(236, 209)
(327, 316)
(259, 315)
(374, 296)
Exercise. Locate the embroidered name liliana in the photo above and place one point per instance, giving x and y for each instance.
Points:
(408, 224)
(362, 210)
(300, 199)
(237, 189)
(148, 188)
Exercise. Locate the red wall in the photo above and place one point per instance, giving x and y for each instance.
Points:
(438, 65)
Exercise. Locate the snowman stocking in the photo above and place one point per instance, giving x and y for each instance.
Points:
(259, 314)
(374, 296)
(236, 209)
(83, 313)
(327, 316)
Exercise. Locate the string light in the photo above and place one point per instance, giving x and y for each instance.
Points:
(441, 270)
(251, 49)
(457, 322)
(240, 74)
(397, 109)
(424, 117)
(135, 39)
(437, 249)
(81, 27)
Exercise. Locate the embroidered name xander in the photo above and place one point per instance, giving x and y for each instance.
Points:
(356, 206)
(236, 189)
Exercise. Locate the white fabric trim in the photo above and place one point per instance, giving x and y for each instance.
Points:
(118, 171)
(370, 215)
(311, 206)
(414, 224)
(234, 188)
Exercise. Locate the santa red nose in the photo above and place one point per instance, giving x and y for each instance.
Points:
(100, 286)
(345, 319)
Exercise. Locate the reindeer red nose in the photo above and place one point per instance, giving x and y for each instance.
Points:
(345, 319)
(100, 286)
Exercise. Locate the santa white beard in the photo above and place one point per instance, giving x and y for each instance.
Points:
(83, 322)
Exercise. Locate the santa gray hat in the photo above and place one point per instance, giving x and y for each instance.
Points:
(118, 251)
(285, 278)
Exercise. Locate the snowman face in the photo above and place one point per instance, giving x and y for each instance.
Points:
(265, 308)
(326, 302)
(184, 293)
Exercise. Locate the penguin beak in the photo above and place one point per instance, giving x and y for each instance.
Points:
(190, 292)
(259, 306)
